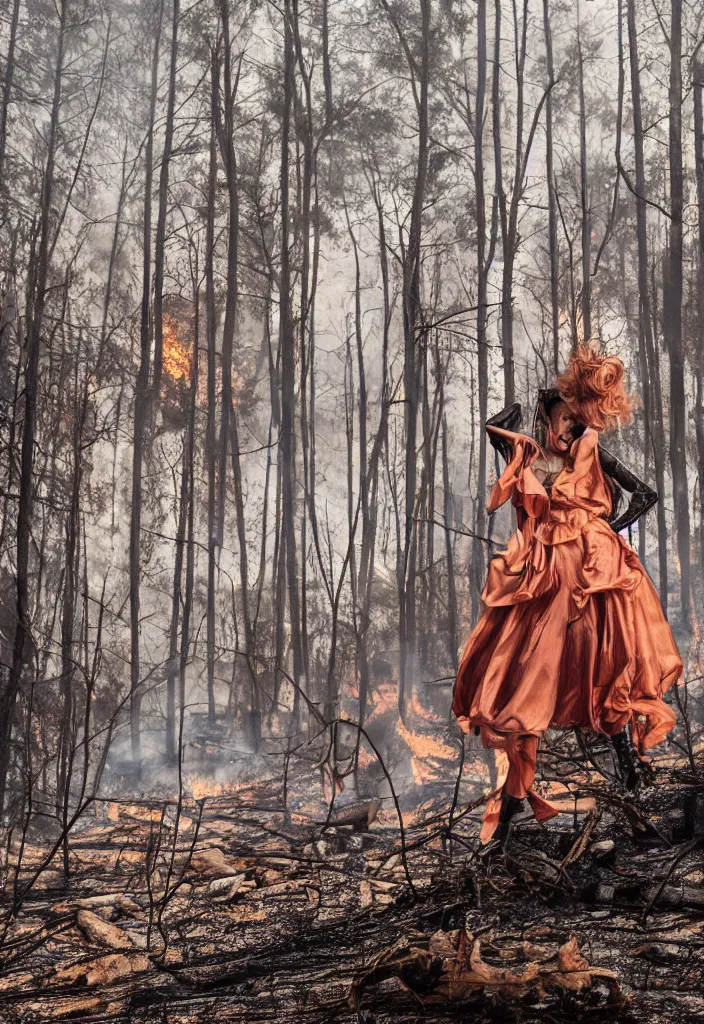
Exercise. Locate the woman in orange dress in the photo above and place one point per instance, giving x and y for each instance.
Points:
(573, 634)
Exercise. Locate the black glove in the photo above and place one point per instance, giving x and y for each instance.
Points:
(642, 496)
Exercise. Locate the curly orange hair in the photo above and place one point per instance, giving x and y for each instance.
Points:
(592, 387)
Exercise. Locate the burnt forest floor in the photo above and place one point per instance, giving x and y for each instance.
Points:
(233, 909)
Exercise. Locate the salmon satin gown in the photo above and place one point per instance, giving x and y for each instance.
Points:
(573, 633)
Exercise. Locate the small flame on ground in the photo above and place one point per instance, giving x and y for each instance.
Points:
(202, 786)
(426, 746)
(426, 751)
(140, 811)
(385, 699)
(418, 709)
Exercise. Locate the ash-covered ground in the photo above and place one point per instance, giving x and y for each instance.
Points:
(255, 900)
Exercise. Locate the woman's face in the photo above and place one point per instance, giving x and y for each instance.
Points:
(563, 426)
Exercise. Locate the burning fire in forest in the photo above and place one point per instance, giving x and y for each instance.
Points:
(385, 699)
(426, 751)
(422, 746)
(206, 786)
(418, 709)
(176, 355)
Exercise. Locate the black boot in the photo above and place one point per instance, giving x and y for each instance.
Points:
(632, 768)
(510, 807)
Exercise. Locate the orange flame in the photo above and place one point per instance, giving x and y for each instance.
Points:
(385, 699)
(418, 709)
(426, 751)
(203, 785)
(176, 356)
(426, 746)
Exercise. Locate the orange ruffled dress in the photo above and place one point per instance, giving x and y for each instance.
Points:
(573, 633)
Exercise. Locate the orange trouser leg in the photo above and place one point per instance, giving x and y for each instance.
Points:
(522, 753)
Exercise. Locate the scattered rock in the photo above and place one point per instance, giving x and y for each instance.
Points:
(103, 970)
(603, 848)
(225, 888)
(114, 904)
(659, 953)
(605, 893)
(214, 864)
(360, 815)
(102, 933)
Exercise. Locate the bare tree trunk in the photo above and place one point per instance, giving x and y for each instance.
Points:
(31, 377)
(140, 413)
(68, 608)
(655, 434)
(305, 336)
(229, 431)
(211, 327)
(359, 578)
(309, 213)
(586, 304)
(698, 87)
(426, 529)
(263, 560)
(7, 84)
(184, 518)
(452, 632)
(371, 482)
(509, 216)
(278, 562)
(484, 262)
(673, 315)
(190, 547)
(12, 434)
(414, 343)
(552, 201)
(287, 344)
(327, 76)
(331, 694)
(160, 238)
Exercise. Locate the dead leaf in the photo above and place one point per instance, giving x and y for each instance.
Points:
(540, 954)
(569, 957)
(435, 969)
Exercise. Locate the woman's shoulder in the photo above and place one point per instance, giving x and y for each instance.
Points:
(587, 441)
(584, 452)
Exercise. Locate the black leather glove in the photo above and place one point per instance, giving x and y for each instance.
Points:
(508, 419)
(642, 496)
